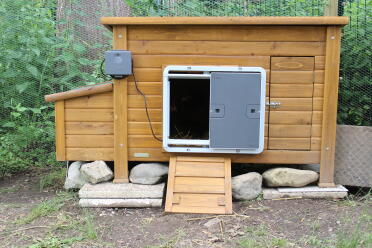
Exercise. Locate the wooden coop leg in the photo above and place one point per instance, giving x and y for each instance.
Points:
(120, 114)
(329, 121)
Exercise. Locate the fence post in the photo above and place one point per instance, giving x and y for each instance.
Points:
(331, 8)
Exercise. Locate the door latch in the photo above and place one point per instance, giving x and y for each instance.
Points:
(273, 104)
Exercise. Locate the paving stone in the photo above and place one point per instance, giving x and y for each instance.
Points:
(111, 190)
(305, 192)
(120, 203)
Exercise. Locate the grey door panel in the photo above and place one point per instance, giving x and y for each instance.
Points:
(235, 110)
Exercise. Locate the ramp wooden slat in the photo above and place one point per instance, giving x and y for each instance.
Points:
(199, 185)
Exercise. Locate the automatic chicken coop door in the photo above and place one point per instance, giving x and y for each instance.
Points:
(213, 109)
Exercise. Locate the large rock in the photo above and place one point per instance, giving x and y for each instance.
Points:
(247, 186)
(74, 180)
(148, 173)
(96, 172)
(281, 177)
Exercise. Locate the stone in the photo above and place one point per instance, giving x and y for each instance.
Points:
(212, 222)
(74, 180)
(111, 190)
(96, 172)
(312, 192)
(288, 177)
(120, 203)
(246, 186)
(148, 173)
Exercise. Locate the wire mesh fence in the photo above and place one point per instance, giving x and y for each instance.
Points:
(50, 46)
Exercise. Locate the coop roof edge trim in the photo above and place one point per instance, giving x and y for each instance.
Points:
(271, 20)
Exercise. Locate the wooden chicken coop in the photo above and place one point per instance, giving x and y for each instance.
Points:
(296, 57)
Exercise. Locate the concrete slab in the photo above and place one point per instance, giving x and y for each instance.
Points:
(111, 190)
(305, 192)
(120, 203)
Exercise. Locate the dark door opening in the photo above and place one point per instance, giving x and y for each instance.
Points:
(189, 108)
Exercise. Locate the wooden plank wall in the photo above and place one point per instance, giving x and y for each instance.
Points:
(89, 127)
(154, 47)
(292, 84)
(89, 120)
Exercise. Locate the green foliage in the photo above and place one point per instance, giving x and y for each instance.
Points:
(27, 142)
(53, 179)
(55, 242)
(226, 8)
(38, 56)
(88, 229)
(355, 94)
(46, 207)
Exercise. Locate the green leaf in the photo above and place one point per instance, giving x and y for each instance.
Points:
(15, 114)
(79, 48)
(22, 87)
(35, 110)
(9, 124)
(85, 61)
(36, 51)
(33, 70)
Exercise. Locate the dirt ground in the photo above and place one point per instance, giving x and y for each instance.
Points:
(30, 217)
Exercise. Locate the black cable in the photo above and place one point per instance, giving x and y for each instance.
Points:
(102, 72)
(144, 99)
(147, 111)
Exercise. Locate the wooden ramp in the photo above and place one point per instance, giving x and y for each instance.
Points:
(199, 185)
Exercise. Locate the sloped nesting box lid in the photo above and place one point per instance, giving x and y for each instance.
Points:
(83, 91)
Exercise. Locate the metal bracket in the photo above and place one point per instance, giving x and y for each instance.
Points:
(273, 104)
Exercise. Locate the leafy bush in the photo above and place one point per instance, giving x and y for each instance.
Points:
(38, 56)
(226, 8)
(355, 85)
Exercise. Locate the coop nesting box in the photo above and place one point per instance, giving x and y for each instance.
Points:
(288, 68)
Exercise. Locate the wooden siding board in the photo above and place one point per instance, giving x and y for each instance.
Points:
(97, 101)
(290, 117)
(89, 141)
(267, 156)
(157, 61)
(292, 131)
(292, 77)
(89, 154)
(221, 33)
(292, 63)
(291, 90)
(289, 143)
(89, 115)
(227, 48)
(89, 128)
(60, 130)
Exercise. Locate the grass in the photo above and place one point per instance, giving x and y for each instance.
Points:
(88, 228)
(46, 207)
(53, 179)
(259, 237)
(54, 242)
(170, 242)
(9, 189)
